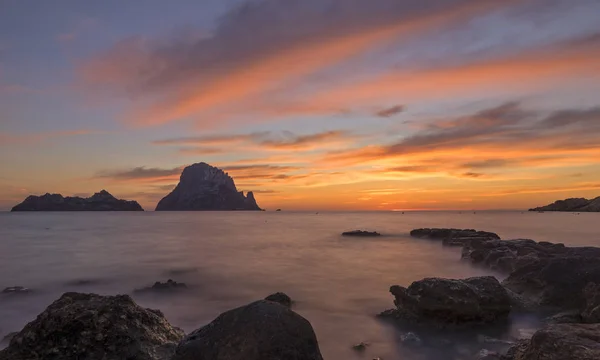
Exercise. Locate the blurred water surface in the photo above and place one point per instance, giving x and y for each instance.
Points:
(231, 258)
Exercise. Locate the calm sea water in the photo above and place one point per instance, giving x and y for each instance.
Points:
(231, 258)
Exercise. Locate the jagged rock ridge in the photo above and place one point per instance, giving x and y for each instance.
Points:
(205, 187)
(100, 201)
(572, 204)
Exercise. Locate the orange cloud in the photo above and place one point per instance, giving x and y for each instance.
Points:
(219, 72)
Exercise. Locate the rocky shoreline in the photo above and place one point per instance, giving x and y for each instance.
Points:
(556, 283)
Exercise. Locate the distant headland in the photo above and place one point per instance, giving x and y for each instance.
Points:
(572, 205)
(100, 201)
(203, 187)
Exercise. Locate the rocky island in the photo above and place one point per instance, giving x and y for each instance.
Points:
(100, 201)
(206, 188)
(572, 205)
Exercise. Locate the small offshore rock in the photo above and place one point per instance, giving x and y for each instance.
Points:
(362, 346)
(94, 327)
(280, 298)
(262, 330)
(167, 286)
(361, 233)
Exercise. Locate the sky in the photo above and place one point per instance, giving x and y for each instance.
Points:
(311, 104)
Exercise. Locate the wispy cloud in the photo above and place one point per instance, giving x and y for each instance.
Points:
(11, 138)
(391, 111)
(141, 173)
(289, 41)
(269, 141)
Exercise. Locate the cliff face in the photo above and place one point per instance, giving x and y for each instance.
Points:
(205, 187)
(573, 204)
(101, 201)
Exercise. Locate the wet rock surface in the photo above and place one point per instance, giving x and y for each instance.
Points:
(450, 302)
(262, 330)
(361, 233)
(100, 201)
(94, 327)
(560, 342)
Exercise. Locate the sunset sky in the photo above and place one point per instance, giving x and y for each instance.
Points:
(311, 104)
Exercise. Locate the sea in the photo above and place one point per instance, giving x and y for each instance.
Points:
(228, 259)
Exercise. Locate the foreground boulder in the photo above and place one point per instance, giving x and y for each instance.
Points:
(454, 237)
(262, 330)
(444, 302)
(560, 342)
(556, 281)
(101, 201)
(205, 187)
(94, 327)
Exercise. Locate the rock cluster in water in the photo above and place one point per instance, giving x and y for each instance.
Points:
(560, 281)
(205, 187)
(100, 201)
(572, 205)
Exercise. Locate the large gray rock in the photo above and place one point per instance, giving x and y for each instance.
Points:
(100, 201)
(444, 302)
(262, 330)
(560, 342)
(454, 237)
(572, 205)
(93, 327)
(205, 187)
(556, 281)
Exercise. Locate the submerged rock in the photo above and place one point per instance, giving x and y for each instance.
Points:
(361, 233)
(100, 201)
(262, 330)
(280, 298)
(560, 342)
(94, 327)
(167, 286)
(446, 302)
(454, 237)
(362, 346)
(205, 187)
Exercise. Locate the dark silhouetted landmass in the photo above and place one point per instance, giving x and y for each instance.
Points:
(572, 205)
(100, 201)
(203, 188)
